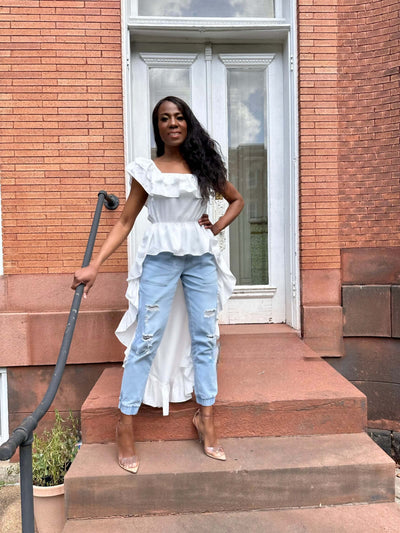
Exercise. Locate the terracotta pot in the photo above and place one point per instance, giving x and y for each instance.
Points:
(49, 508)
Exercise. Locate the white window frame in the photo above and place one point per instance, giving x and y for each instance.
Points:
(3, 405)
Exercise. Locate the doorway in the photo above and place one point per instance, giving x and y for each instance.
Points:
(236, 92)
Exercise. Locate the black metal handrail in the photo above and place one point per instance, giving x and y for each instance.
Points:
(22, 436)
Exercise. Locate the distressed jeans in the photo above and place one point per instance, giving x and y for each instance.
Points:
(156, 292)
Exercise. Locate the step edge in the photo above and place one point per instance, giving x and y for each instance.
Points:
(376, 507)
(378, 456)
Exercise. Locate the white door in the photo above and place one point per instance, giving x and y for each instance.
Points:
(236, 93)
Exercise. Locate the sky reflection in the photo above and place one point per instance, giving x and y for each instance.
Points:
(206, 8)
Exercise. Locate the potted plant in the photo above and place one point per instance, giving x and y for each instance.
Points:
(52, 455)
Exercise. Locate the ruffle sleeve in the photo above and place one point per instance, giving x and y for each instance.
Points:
(174, 185)
(141, 171)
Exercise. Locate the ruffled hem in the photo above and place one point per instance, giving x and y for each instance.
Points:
(184, 238)
(159, 394)
(157, 183)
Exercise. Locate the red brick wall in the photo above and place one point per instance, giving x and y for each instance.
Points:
(62, 139)
(318, 108)
(369, 100)
(61, 131)
(349, 73)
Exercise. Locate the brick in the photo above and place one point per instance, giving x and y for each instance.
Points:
(45, 131)
(309, 77)
(340, 142)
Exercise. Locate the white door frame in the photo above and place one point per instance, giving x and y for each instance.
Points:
(257, 303)
(281, 30)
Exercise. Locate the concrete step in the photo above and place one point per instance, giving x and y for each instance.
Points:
(270, 383)
(373, 518)
(260, 473)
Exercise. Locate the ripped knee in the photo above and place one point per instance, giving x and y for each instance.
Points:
(152, 308)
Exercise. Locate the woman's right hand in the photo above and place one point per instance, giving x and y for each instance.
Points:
(87, 276)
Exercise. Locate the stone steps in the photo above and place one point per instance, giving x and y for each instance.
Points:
(270, 384)
(373, 518)
(261, 473)
(293, 430)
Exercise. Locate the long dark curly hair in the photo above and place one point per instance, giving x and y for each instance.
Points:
(200, 152)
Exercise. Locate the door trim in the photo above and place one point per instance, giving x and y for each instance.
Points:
(168, 60)
(279, 30)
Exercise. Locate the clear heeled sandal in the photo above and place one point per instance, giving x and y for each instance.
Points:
(130, 464)
(215, 452)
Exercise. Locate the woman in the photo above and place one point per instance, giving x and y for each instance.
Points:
(179, 246)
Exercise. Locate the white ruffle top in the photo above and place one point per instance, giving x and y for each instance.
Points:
(174, 206)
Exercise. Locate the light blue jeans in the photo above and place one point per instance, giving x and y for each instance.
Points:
(156, 292)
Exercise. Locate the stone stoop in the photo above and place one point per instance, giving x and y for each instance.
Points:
(261, 473)
(293, 430)
(270, 384)
(373, 518)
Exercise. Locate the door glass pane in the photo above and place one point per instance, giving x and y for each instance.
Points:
(247, 159)
(207, 8)
(168, 82)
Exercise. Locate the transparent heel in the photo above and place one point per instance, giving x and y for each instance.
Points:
(131, 463)
(215, 452)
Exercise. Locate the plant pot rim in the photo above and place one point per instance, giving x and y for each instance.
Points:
(47, 492)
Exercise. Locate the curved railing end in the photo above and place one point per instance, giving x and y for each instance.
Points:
(111, 201)
(22, 434)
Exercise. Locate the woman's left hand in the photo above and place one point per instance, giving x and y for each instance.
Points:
(206, 222)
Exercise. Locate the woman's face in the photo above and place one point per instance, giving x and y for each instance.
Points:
(171, 124)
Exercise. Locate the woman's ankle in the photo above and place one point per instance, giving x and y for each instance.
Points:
(207, 411)
(208, 426)
(125, 420)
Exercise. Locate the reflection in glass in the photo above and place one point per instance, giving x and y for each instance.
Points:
(168, 82)
(248, 172)
(207, 8)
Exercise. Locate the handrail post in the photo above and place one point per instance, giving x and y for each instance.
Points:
(26, 485)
